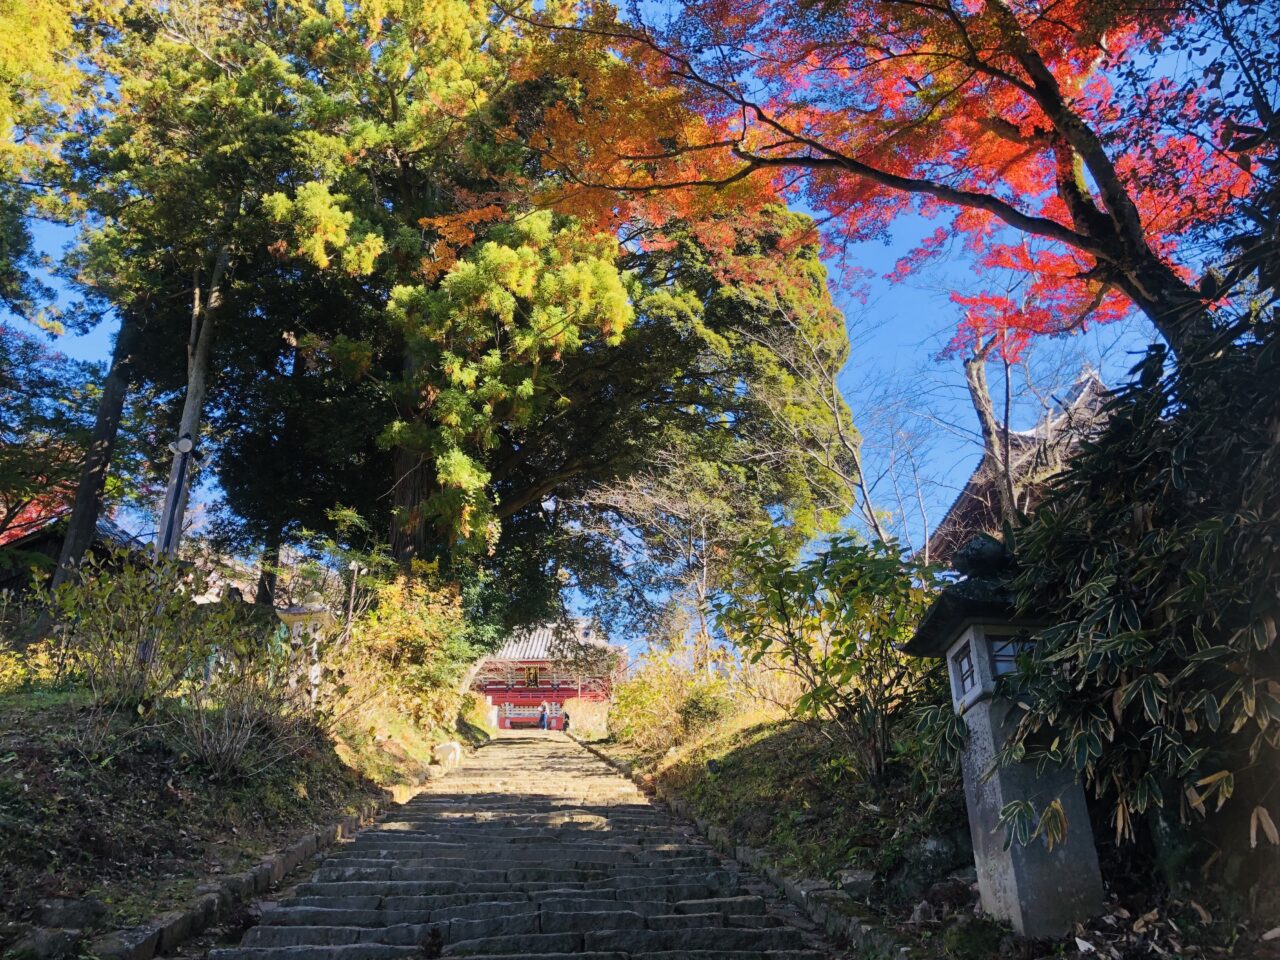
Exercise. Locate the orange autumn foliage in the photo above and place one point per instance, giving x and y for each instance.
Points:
(997, 117)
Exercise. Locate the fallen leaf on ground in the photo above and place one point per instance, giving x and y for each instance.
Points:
(1141, 923)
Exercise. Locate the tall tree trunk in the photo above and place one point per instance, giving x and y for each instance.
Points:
(993, 445)
(409, 539)
(1176, 309)
(269, 576)
(204, 312)
(413, 483)
(87, 505)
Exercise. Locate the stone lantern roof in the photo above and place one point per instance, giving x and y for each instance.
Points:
(312, 609)
(311, 604)
(983, 595)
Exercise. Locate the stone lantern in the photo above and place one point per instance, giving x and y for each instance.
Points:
(1041, 892)
(307, 623)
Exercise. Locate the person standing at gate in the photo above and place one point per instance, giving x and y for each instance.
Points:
(564, 720)
(542, 716)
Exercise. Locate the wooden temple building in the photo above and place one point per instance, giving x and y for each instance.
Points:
(551, 664)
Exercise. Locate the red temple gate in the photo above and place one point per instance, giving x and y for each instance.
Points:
(537, 666)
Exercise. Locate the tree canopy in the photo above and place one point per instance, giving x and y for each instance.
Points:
(1074, 175)
(324, 233)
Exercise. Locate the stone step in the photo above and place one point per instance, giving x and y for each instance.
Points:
(593, 841)
(584, 850)
(670, 892)
(663, 955)
(490, 870)
(692, 938)
(356, 911)
(569, 922)
(527, 944)
(458, 880)
(483, 855)
(403, 934)
(361, 951)
(429, 903)
(630, 941)
(726, 905)
(358, 888)
(643, 907)
(502, 830)
(535, 850)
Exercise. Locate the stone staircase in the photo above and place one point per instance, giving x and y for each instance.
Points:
(534, 849)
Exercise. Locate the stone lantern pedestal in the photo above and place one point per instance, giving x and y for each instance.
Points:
(1041, 892)
(307, 622)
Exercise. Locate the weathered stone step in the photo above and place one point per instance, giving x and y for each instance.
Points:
(408, 888)
(429, 903)
(366, 888)
(596, 837)
(524, 945)
(692, 938)
(375, 910)
(631, 941)
(537, 851)
(662, 955)
(324, 917)
(575, 819)
(725, 905)
(610, 818)
(479, 854)
(449, 880)
(603, 846)
(359, 951)
(551, 869)
(402, 934)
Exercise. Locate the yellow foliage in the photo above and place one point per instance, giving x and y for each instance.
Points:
(587, 718)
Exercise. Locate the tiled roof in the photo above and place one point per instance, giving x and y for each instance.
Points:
(110, 531)
(535, 643)
(107, 531)
(976, 506)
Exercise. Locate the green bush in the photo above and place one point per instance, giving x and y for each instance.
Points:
(665, 700)
(413, 645)
(1154, 558)
(132, 632)
(645, 703)
(247, 716)
(706, 700)
(835, 622)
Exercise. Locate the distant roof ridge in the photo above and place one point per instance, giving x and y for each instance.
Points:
(105, 527)
(533, 642)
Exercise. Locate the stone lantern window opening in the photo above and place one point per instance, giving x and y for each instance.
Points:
(1005, 651)
(963, 673)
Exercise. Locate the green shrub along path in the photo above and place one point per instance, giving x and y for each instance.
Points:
(535, 849)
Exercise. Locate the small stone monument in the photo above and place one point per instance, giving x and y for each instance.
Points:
(1041, 892)
(307, 622)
